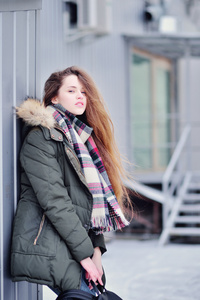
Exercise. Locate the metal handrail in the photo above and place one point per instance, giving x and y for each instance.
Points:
(176, 155)
(167, 177)
(145, 190)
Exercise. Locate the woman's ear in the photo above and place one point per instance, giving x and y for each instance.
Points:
(54, 100)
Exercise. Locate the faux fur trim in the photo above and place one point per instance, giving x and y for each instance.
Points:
(34, 113)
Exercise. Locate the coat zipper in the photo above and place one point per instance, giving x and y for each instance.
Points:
(40, 229)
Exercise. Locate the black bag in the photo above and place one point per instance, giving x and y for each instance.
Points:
(75, 295)
(102, 294)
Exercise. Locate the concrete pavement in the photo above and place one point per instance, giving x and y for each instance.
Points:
(141, 270)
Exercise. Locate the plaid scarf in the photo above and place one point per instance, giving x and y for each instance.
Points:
(106, 213)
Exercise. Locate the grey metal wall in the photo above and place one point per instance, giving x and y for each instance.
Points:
(18, 69)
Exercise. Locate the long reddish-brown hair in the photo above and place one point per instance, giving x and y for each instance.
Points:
(97, 117)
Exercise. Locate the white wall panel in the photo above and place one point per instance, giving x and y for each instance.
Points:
(127, 16)
(189, 104)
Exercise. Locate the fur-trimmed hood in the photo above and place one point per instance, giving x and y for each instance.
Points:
(34, 113)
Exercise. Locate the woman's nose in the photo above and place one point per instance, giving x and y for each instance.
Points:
(79, 95)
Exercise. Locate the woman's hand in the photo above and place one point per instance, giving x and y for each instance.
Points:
(97, 260)
(93, 267)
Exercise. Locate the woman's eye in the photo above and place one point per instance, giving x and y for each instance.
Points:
(70, 91)
(83, 93)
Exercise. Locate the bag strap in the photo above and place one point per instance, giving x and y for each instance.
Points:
(99, 289)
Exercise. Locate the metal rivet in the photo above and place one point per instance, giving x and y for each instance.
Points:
(59, 137)
(52, 135)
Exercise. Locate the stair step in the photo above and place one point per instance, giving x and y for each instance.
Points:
(188, 219)
(194, 186)
(196, 174)
(192, 231)
(190, 208)
(191, 197)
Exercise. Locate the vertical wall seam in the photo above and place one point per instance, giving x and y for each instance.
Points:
(14, 122)
(14, 105)
(35, 91)
(1, 165)
(36, 46)
(37, 55)
(27, 52)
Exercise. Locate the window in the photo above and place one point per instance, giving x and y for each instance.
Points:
(151, 111)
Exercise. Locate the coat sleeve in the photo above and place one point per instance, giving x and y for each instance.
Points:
(38, 158)
(98, 241)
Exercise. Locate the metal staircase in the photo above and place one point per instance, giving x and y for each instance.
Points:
(184, 214)
(181, 189)
(180, 196)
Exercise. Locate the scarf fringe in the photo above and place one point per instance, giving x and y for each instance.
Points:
(102, 224)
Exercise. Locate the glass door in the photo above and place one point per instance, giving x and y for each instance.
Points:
(150, 111)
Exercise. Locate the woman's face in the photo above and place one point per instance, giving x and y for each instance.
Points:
(71, 95)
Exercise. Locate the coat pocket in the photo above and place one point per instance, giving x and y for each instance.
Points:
(33, 233)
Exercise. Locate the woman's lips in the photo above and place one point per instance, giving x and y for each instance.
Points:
(79, 104)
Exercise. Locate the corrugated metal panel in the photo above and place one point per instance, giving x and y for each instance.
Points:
(52, 39)
(17, 79)
(14, 5)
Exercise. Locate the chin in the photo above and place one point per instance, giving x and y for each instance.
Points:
(79, 112)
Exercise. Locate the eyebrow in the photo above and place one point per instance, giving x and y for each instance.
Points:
(72, 86)
(75, 87)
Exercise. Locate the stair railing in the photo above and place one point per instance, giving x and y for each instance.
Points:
(170, 182)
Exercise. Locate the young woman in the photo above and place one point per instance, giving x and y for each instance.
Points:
(71, 186)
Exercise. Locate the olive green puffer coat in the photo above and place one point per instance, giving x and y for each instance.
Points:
(51, 228)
